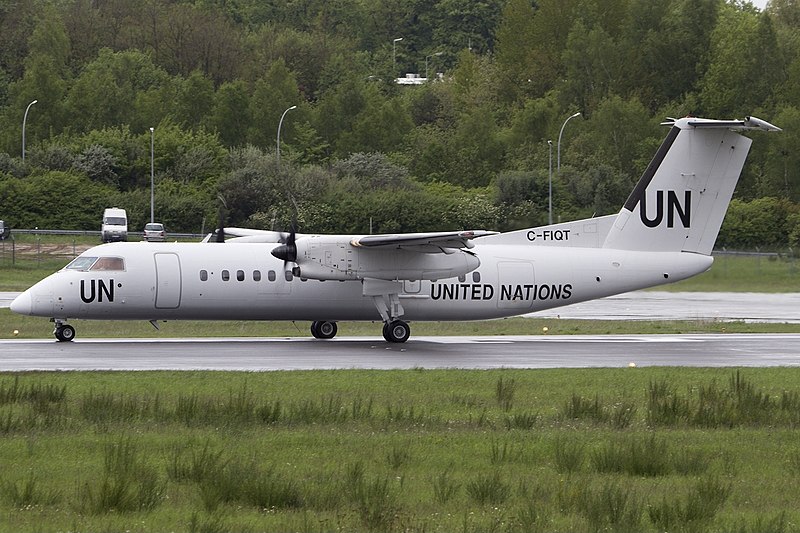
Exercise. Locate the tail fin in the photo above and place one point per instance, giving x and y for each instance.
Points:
(681, 199)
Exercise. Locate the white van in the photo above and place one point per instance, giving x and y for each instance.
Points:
(115, 225)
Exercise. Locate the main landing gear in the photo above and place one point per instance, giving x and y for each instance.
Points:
(322, 329)
(396, 331)
(63, 331)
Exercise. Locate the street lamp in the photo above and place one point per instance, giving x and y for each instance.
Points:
(426, 63)
(280, 123)
(394, 55)
(550, 182)
(24, 120)
(152, 181)
(558, 162)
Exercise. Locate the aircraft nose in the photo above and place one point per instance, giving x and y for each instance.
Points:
(22, 304)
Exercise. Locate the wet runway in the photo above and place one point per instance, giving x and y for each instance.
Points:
(573, 351)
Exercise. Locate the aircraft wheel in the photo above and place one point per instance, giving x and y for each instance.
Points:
(322, 329)
(65, 333)
(396, 331)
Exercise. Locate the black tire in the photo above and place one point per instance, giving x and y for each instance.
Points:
(396, 331)
(65, 333)
(322, 329)
(326, 330)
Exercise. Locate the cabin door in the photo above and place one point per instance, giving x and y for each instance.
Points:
(168, 281)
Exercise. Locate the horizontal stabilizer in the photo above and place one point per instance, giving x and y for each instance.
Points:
(748, 123)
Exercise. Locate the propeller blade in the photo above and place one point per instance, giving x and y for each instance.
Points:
(287, 252)
(221, 220)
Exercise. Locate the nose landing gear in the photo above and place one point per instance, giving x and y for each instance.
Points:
(63, 331)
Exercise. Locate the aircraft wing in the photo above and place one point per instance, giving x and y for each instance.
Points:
(423, 242)
(249, 235)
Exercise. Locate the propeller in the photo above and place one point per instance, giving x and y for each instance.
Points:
(287, 252)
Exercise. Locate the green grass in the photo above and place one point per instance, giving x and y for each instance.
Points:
(419, 450)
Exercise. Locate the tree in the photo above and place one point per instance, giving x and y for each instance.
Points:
(515, 32)
(272, 95)
(98, 163)
(620, 135)
(593, 64)
(231, 113)
(45, 79)
(745, 65)
(195, 100)
(106, 92)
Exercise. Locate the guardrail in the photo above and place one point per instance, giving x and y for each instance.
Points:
(84, 233)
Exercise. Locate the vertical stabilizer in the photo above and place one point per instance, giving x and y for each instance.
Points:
(681, 199)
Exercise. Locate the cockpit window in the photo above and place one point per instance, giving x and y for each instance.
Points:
(108, 263)
(81, 263)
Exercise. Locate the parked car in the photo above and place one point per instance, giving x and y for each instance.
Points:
(4, 230)
(154, 232)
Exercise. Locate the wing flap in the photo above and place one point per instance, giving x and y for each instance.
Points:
(422, 242)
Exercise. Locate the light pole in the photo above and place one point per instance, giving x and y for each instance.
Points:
(152, 181)
(394, 55)
(24, 120)
(278, 148)
(550, 186)
(558, 161)
(426, 63)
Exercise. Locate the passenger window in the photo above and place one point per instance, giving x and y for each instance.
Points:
(240, 275)
(271, 275)
(256, 275)
(109, 263)
(476, 277)
(288, 276)
(226, 276)
(203, 275)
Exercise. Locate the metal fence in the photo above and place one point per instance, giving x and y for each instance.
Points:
(25, 246)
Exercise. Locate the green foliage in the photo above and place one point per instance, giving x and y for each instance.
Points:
(29, 202)
(762, 224)
(213, 77)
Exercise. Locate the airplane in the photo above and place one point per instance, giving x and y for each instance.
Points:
(663, 233)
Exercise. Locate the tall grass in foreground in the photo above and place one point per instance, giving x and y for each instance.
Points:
(400, 451)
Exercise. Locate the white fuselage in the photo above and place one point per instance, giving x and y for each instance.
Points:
(242, 281)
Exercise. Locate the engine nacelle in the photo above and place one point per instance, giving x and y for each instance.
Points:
(332, 257)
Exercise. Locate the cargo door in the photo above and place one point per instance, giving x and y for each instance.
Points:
(515, 284)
